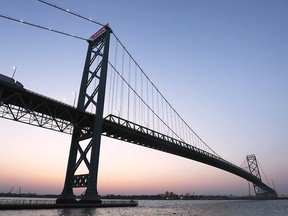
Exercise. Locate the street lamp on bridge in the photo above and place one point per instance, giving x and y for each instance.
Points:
(14, 71)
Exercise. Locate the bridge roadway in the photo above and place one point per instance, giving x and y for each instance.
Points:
(28, 107)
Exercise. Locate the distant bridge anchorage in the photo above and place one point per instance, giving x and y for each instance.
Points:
(135, 111)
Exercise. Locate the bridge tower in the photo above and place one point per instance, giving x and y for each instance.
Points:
(85, 143)
(254, 170)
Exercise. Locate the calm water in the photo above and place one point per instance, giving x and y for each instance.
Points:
(169, 207)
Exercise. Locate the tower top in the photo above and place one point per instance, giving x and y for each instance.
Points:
(99, 33)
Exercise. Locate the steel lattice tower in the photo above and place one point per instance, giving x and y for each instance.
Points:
(254, 170)
(87, 142)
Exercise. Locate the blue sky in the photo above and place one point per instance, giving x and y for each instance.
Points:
(221, 64)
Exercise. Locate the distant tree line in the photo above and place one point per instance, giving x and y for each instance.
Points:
(172, 196)
(164, 196)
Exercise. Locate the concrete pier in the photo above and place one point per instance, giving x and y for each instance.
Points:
(17, 204)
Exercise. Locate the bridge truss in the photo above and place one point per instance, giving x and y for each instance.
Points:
(24, 106)
(16, 104)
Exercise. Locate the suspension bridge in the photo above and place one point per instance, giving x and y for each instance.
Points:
(118, 100)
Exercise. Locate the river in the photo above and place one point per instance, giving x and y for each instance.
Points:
(173, 207)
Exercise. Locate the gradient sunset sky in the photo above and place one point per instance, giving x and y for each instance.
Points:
(223, 65)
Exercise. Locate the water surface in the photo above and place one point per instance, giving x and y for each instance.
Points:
(173, 207)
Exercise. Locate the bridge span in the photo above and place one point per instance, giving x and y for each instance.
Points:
(129, 89)
(22, 105)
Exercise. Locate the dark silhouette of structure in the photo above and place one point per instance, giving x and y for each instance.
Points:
(19, 104)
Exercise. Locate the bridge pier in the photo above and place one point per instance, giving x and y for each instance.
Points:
(91, 197)
(66, 199)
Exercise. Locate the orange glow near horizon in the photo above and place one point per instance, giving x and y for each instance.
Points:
(124, 168)
(144, 171)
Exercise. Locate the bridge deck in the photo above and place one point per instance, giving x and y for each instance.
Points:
(31, 108)
(124, 130)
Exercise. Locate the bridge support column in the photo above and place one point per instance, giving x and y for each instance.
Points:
(83, 142)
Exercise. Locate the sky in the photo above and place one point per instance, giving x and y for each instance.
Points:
(221, 64)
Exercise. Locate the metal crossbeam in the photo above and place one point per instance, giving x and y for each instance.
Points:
(80, 180)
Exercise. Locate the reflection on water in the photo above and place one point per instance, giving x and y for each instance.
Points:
(75, 212)
(173, 207)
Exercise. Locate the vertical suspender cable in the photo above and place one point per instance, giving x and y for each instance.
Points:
(129, 74)
(122, 86)
(135, 83)
(142, 106)
(157, 99)
(172, 128)
(148, 114)
(153, 107)
(114, 75)
(90, 20)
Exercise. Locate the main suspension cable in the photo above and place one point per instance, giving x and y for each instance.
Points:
(41, 27)
(142, 100)
(70, 12)
(136, 65)
(245, 160)
(264, 174)
(148, 79)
